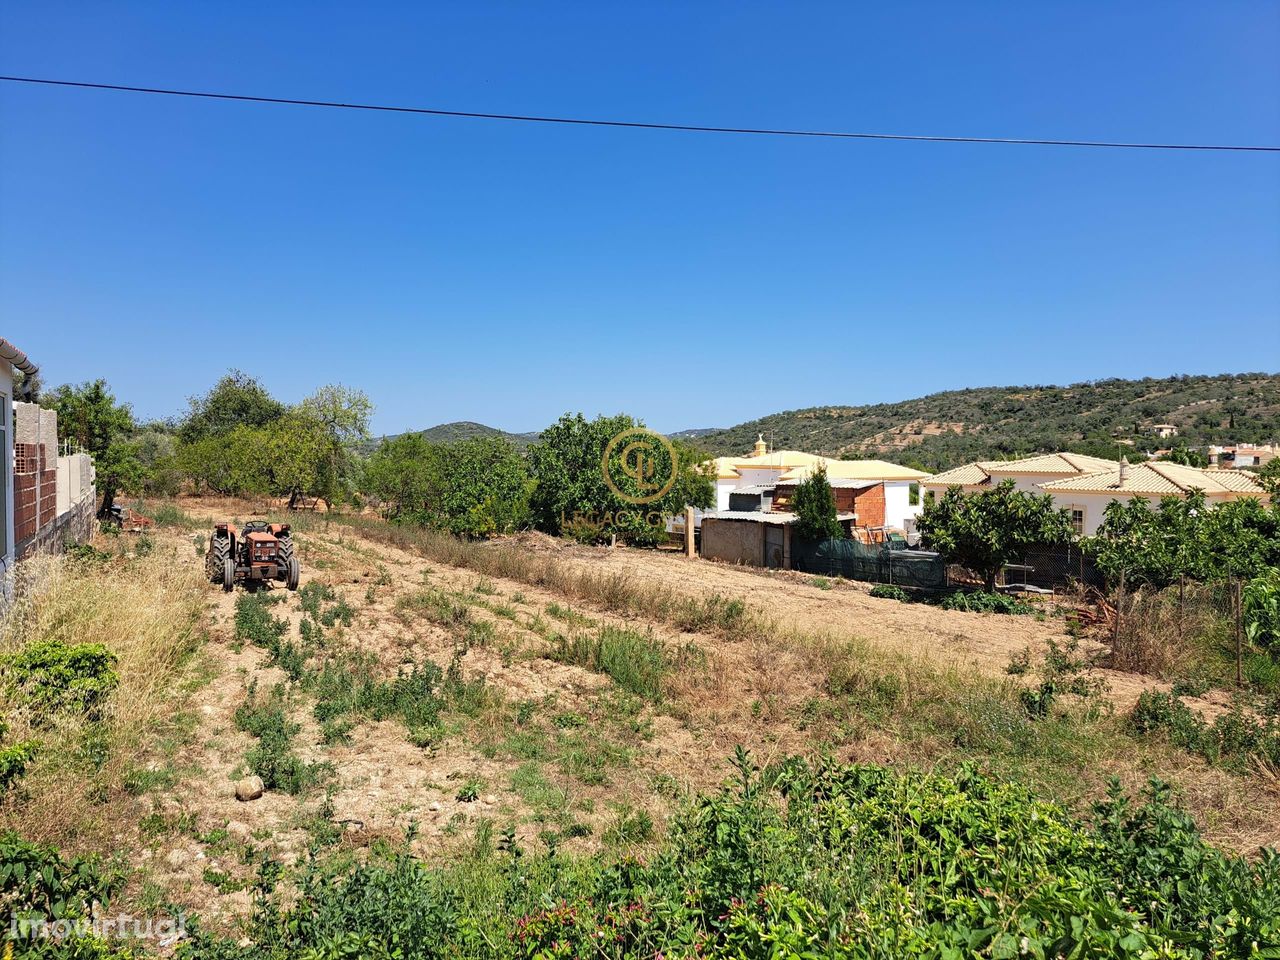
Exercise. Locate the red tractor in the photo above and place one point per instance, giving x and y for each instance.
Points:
(260, 552)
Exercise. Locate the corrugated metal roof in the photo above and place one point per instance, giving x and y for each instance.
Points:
(764, 516)
(1160, 479)
(757, 516)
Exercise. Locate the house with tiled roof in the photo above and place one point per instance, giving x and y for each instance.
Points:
(1087, 495)
(1027, 473)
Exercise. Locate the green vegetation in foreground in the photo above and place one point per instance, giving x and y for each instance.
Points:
(805, 860)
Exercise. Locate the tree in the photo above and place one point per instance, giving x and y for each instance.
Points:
(403, 476)
(983, 531)
(484, 489)
(1186, 456)
(815, 507)
(236, 400)
(566, 464)
(341, 414)
(89, 416)
(1269, 478)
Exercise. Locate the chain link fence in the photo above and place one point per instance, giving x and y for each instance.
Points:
(873, 563)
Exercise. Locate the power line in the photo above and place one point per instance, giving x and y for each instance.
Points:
(631, 124)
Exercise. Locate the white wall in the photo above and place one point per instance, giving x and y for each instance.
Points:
(897, 503)
(6, 471)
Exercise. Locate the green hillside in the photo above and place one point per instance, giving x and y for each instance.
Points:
(466, 429)
(945, 429)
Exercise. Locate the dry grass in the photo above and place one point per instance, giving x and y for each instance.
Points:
(1165, 634)
(145, 610)
(618, 593)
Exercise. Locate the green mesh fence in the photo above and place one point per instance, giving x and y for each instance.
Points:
(875, 564)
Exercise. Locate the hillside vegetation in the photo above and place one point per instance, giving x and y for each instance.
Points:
(468, 430)
(945, 429)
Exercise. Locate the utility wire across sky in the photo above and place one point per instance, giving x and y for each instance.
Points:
(632, 124)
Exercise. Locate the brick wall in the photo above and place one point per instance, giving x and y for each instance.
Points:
(868, 504)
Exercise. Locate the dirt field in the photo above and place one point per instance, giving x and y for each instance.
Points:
(556, 747)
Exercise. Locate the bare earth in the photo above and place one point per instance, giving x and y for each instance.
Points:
(754, 693)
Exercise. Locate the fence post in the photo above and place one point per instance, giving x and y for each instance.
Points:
(1236, 605)
(1115, 636)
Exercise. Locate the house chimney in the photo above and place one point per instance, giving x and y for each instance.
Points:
(1124, 470)
(760, 449)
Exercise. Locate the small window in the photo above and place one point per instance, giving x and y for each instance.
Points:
(1077, 520)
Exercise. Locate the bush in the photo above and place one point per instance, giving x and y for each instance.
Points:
(983, 602)
(272, 757)
(54, 677)
(887, 591)
(38, 884)
(1235, 739)
(807, 859)
(635, 661)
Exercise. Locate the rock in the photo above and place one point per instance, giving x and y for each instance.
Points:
(434, 806)
(239, 831)
(490, 799)
(250, 788)
(176, 858)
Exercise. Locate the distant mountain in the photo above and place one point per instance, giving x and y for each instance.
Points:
(946, 429)
(465, 430)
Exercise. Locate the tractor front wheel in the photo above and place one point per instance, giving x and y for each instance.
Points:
(292, 573)
(228, 575)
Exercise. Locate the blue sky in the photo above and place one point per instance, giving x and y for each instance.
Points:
(467, 269)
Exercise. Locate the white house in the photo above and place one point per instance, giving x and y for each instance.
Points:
(1087, 496)
(11, 359)
(1027, 473)
(759, 469)
(902, 485)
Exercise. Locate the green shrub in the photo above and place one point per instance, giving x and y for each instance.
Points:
(54, 677)
(635, 661)
(1235, 739)
(887, 591)
(984, 602)
(272, 757)
(312, 595)
(38, 884)
(14, 759)
(1261, 609)
(807, 859)
(254, 622)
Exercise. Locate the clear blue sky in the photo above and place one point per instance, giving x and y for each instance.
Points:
(467, 269)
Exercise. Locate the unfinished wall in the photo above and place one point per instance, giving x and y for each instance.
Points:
(735, 541)
(54, 497)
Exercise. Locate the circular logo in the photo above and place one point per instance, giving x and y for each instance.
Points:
(640, 460)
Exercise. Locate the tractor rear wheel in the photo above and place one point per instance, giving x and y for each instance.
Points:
(293, 572)
(219, 553)
(228, 575)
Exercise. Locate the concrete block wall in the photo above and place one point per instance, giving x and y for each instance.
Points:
(54, 497)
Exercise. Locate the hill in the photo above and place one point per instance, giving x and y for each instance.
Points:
(945, 429)
(465, 430)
